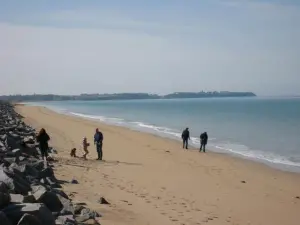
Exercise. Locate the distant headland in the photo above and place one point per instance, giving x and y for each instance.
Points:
(123, 96)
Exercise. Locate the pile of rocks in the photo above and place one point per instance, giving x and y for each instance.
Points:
(29, 191)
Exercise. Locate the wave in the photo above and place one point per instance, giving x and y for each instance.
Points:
(258, 155)
(101, 118)
(214, 144)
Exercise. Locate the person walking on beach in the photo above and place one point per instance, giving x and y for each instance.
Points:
(203, 141)
(185, 137)
(43, 139)
(98, 140)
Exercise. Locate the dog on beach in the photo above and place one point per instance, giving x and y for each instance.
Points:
(73, 152)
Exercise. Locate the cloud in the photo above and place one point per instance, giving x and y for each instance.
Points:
(85, 50)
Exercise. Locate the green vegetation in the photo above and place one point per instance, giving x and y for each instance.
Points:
(123, 96)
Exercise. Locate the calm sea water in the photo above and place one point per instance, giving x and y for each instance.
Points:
(263, 129)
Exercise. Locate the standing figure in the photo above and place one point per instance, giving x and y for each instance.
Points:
(203, 141)
(85, 146)
(185, 137)
(98, 140)
(43, 138)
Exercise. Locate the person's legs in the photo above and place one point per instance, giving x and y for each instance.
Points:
(183, 143)
(85, 153)
(186, 144)
(43, 154)
(98, 150)
(201, 145)
(204, 147)
(43, 151)
(101, 152)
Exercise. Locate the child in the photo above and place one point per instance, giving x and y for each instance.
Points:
(85, 145)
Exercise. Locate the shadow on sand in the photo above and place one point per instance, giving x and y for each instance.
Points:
(78, 162)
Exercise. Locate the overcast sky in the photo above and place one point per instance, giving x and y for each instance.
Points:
(157, 46)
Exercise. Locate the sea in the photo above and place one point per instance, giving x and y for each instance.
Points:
(263, 129)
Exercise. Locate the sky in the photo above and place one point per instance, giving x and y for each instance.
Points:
(157, 46)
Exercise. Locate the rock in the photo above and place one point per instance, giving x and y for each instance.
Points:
(25, 170)
(15, 198)
(103, 201)
(82, 218)
(51, 182)
(16, 184)
(48, 172)
(87, 214)
(9, 160)
(42, 213)
(3, 137)
(244, 182)
(4, 199)
(61, 193)
(78, 209)
(68, 207)
(298, 197)
(36, 164)
(4, 220)
(3, 187)
(29, 199)
(30, 149)
(49, 198)
(16, 152)
(28, 219)
(12, 142)
(73, 181)
(62, 220)
(29, 140)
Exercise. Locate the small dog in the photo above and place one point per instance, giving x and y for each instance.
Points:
(73, 152)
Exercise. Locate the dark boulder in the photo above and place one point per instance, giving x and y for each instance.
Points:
(61, 193)
(28, 219)
(3, 187)
(47, 172)
(41, 212)
(103, 201)
(15, 183)
(4, 199)
(50, 199)
(25, 170)
(4, 220)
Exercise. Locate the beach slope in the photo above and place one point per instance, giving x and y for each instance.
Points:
(152, 180)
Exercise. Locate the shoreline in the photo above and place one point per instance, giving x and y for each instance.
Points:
(157, 177)
(278, 164)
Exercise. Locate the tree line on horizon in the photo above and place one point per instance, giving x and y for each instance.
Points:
(122, 96)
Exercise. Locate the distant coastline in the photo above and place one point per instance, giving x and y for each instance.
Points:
(124, 96)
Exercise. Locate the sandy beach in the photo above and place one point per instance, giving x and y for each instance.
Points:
(152, 180)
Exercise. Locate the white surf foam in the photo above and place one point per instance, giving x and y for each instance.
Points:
(259, 155)
(101, 118)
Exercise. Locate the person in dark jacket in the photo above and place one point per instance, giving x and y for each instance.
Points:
(185, 137)
(43, 138)
(98, 140)
(203, 141)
